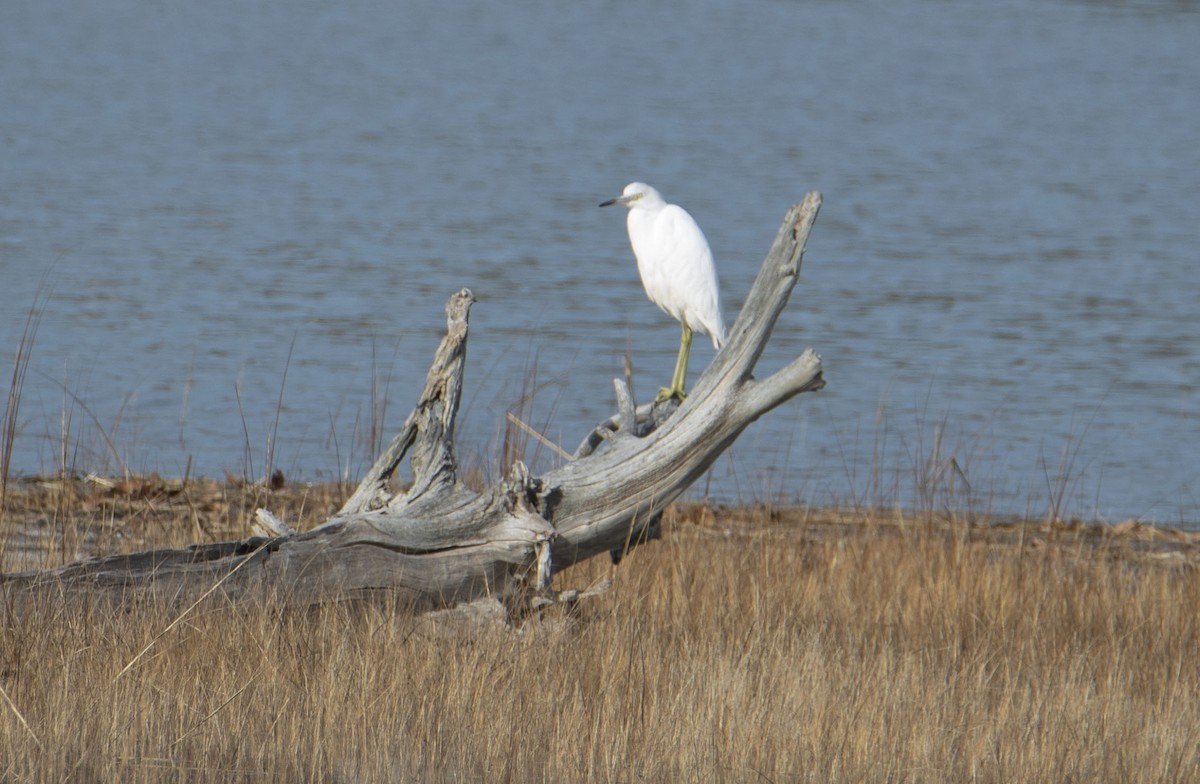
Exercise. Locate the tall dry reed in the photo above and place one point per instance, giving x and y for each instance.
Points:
(752, 650)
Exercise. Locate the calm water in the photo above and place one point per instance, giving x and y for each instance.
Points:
(1006, 258)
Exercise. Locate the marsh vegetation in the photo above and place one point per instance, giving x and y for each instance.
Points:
(749, 644)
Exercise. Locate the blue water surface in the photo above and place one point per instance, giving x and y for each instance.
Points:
(239, 222)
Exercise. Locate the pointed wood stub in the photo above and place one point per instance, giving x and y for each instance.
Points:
(432, 460)
(429, 430)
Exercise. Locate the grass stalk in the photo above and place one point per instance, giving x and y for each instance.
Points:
(9, 425)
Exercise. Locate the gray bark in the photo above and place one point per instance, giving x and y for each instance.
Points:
(438, 543)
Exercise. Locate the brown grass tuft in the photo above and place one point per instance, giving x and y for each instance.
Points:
(748, 645)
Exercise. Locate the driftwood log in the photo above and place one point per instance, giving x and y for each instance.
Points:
(438, 543)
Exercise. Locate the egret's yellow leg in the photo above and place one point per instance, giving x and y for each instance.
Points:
(680, 378)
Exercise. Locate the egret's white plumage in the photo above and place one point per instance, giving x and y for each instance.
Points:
(677, 269)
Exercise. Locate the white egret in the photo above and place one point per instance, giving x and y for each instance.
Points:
(677, 271)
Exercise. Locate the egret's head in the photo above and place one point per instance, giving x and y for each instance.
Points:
(636, 194)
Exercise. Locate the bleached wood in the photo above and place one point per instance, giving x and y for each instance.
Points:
(439, 544)
(267, 525)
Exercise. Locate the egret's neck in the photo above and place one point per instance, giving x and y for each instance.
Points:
(644, 211)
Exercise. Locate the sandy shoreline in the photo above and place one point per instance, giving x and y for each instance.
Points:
(49, 521)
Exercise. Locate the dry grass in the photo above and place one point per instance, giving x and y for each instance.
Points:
(745, 646)
(49, 521)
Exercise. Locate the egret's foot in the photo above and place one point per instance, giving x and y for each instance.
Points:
(665, 394)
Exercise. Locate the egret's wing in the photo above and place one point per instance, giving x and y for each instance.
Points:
(690, 285)
(651, 247)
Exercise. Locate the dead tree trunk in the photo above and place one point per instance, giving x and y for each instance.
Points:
(438, 543)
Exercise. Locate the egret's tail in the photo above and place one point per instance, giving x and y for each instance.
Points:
(718, 334)
(713, 327)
